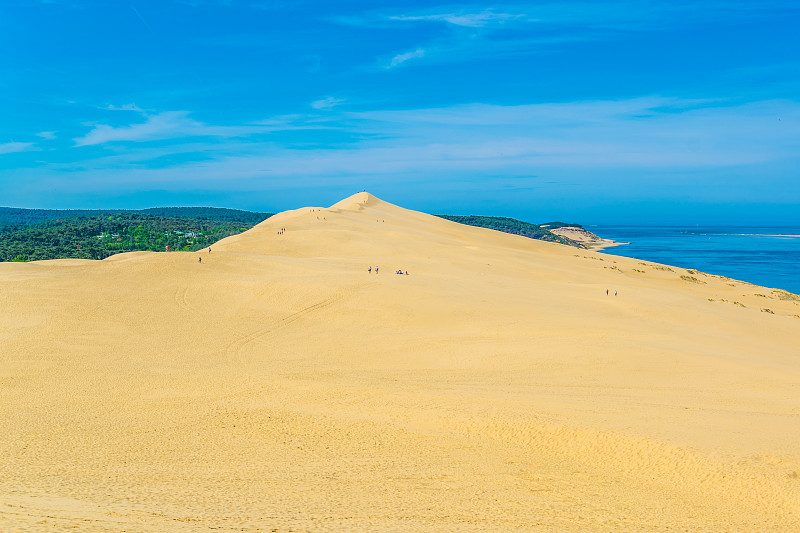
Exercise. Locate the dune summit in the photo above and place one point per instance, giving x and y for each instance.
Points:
(279, 386)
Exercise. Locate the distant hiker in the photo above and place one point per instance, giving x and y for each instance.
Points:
(406, 272)
(370, 269)
(615, 293)
(606, 292)
(199, 259)
(376, 270)
(209, 249)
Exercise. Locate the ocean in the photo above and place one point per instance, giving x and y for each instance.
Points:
(768, 256)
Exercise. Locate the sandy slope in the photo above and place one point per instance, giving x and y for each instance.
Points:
(586, 237)
(278, 386)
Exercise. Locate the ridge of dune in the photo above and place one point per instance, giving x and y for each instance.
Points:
(358, 201)
(504, 384)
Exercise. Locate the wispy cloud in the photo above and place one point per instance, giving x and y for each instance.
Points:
(474, 47)
(399, 59)
(468, 31)
(178, 125)
(643, 135)
(594, 151)
(13, 147)
(327, 103)
(616, 14)
(47, 135)
(471, 20)
(124, 107)
(165, 125)
(141, 18)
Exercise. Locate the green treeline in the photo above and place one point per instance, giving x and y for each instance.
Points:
(36, 234)
(13, 218)
(218, 214)
(107, 233)
(556, 225)
(517, 227)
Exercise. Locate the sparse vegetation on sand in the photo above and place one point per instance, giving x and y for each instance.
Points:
(691, 279)
(786, 295)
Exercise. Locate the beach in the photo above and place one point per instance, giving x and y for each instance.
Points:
(503, 384)
(765, 256)
(588, 239)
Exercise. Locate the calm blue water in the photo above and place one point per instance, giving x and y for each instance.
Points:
(756, 255)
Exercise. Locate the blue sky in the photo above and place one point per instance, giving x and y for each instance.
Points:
(597, 112)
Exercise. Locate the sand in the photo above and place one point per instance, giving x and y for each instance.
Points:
(279, 386)
(586, 238)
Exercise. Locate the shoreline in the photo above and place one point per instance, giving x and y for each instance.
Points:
(585, 237)
(607, 243)
(686, 250)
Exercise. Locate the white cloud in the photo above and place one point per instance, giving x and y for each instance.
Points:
(165, 125)
(643, 135)
(124, 107)
(557, 23)
(327, 103)
(13, 147)
(49, 135)
(641, 147)
(399, 59)
(472, 20)
(606, 14)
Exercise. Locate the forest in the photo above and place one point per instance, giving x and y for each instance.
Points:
(517, 227)
(36, 234)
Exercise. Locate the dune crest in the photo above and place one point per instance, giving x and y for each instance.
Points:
(357, 202)
(503, 384)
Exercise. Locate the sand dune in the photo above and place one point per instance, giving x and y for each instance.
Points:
(279, 386)
(586, 237)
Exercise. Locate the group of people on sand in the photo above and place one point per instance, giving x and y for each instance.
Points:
(281, 231)
(369, 269)
(615, 292)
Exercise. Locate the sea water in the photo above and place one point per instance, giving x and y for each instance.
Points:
(768, 256)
